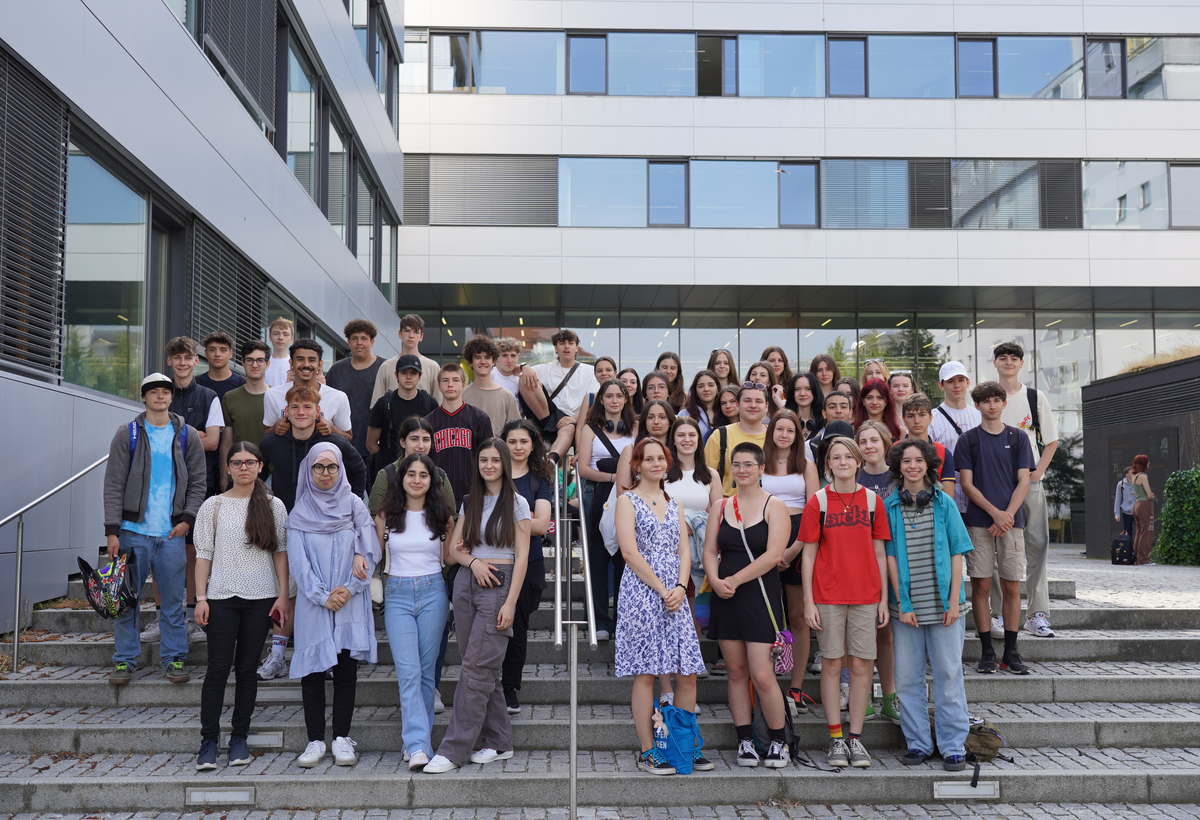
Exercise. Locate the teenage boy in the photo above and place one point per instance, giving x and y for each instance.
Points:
(1029, 410)
(355, 377)
(154, 483)
(838, 407)
(412, 333)
(220, 378)
(551, 393)
(306, 371)
(994, 461)
(458, 430)
(718, 452)
(408, 399)
(1123, 502)
(955, 415)
(242, 407)
(917, 417)
(508, 365)
(500, 405)
(845, 580)
(280, 332)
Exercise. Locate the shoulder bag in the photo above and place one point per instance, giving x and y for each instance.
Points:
(781, 650)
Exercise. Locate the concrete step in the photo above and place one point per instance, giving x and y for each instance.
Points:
(125, 782)
(1099, 645)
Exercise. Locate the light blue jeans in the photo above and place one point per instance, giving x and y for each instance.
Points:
(942, 646)
(414, 613)
(167, 557)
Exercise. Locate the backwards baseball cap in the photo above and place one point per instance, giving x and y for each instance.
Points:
(156, 380)
(408, 362)
(951, 369)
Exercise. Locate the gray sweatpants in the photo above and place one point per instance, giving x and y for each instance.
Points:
(1037, 552)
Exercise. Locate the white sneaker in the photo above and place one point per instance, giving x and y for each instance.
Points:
(417, 762)
(313, 753)
(272, 667)
(405, 753)
(815, 666)
(997, 626)
(438, 706)
(844, 690)
(439, 764)
(489, 755)
(343, 752)
(152, 632)
(1039, 626)
(602, 635)
(196, 633)
(666, 699)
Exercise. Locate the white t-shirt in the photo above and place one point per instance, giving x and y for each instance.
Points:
(417, 551)
(583, 381)
(1016, 414)
(941, 431)
(215, 417)
(335, 405)
(513, 382)
(277, 371)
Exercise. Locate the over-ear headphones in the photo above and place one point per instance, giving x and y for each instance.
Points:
(922, 500)
(618, 428)
(811, 425)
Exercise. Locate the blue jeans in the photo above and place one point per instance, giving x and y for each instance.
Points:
(414, 614)
(942, 646)
(167, 557)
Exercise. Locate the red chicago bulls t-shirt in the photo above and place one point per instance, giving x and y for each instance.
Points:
(456, 440)
(846, 570)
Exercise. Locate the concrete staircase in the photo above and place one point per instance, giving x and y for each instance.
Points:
(1109, 715)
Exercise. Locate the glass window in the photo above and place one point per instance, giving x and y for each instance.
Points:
(994, 194)
(1176, 335)
(105, 270)
(702, 333)
(381, 63)
(1139, 189)
(657, 64)
(185, 11)
(864, 193)
(1041, 67)
(521, 62)
(1105, 68)
(892, 337)
(798, 194)
(907, 66)
(645, 335)
(601, 193)
(976, 68)
(828, 332)
(588, 63)
(941, 338)
(301, 120)
(413, 74)
(1185, 196)
(762, 329)
(599, 334)
(1063, 363)
(734, 194)
(716, 66)
(365, 238)
(359, 12)
(847, 68)
(1164, 68)
(338, 180)
(668, 193)
(388, 253)
(451, 62)
(782, 65)
(1123, 341)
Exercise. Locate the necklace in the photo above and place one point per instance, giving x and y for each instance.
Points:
(914, 518)
(845, 506)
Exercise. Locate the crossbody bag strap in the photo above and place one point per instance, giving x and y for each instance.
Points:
(953, 424)
(216, 509)
(604, 439)
(563, 383)
(742, 530)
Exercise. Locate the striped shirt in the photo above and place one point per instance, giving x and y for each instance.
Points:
(923, 589)
(456, 440)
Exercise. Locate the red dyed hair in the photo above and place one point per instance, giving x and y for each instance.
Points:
(639, 454)
(1141, 464)
(889, 407)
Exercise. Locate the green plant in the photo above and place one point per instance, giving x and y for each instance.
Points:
(1179, 524)
(1063, 481)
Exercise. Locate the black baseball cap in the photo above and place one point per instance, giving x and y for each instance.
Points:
(408, 362)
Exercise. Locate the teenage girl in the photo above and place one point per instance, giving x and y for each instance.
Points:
(778, 360)
(825, 367)
(721, 363)
(702, 403)
(668, 364)
(875, 404)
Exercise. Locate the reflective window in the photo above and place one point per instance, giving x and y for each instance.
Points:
(847, 68)
(734, 194)
(185, 11)
(301, 120)
(761, 329)
(646, 335)
(365, 237)
(1105, 68)
(668, 194)
(1123, 341)
(827, 332)
(1163, 68)
(599, 333)
(976, 68)
(652, 64)
(702, 333)
(782, 65)
(943, 337)
(1185, 196)
(906, 66)
(1125, 195)
(798, 194)
(1041, 67)
(381, 68)
(588, 65)
(338, 180)
(451, 70)
(105, 269)
(521, 62)
(413, 74)
(1176, 335)
(359, 13)
(716, 66)
(892, 337)
(1063, 362)
(388, 254)
(601, 193)
(864, 193)
(994, 194)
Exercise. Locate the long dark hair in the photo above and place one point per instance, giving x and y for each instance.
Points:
(676, 394)
(712, 365)
(654, 374)
(260, 517)
(694, 406)
(786, 376)
(637, 394)
(831, 363)
(721, 419)
(438, 510)
(501, 527)
(539, 456)
(797, 461)
(598, 415)
(818, 403)
(642, 431)
(700, 473)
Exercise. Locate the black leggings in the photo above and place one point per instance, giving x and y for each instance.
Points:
(237, 631)
(518, 645)
(312, 687)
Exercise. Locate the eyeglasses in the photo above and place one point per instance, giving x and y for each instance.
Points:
(325, 469)
(243, 465)
(754, 385)
(258, 360)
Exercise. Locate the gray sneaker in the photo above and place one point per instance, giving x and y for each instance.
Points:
(859, 758)
(838, 756)
(152, 633)
(196, 633)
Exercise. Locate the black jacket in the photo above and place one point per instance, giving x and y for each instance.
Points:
(285, 453)
(193, 404)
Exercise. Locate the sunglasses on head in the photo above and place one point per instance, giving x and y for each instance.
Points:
(754, 385)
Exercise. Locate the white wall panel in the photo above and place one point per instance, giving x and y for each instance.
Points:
(647, 242)
(752, 15)
(1024, 272)
(765, 244)
(1151, 16)
(495, 242)
(627, 14)
(533, 270)
(1024, 244)
(849, 15)
(623, 270)
(990, 17)
(761, 271)
(414, 240)
(850, 244)
(917, 272)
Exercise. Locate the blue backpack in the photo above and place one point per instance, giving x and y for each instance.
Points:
(133, 437)
(679, 738)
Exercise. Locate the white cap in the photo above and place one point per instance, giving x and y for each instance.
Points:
(951, 369)
(157, 380)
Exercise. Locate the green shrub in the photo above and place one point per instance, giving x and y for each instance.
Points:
(1179, 524)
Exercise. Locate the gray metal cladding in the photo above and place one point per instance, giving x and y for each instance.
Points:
(416, 189)
(490, 190)
(244, 32)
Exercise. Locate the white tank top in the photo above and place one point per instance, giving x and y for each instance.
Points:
(691, 495)
(787, 488)
(599, 451)
(416, 551)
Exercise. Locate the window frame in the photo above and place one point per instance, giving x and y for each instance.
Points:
(816, 166)
(1123, 44)
(958, 95)
(866, 65)
(687, 193)
(582, 36)
(470, 89)
(722, 39)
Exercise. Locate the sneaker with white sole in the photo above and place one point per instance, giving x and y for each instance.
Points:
(1039, 626)
(859, 758)
(838, 756)
(439, 764)
(438, 706)
(196, 633)
(997, 626)
(844, 697)
(152, 632)
(748, 755)
(489, 756)
(313, 754)
(602, 635)
(417, 761)
(272, 667)
(777, 756)
(652, 761)
(815, 666)
(343, 752)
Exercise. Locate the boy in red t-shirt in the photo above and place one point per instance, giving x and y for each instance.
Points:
(918, 415)
(845, 583)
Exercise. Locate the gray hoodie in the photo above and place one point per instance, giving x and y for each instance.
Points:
(127, 480)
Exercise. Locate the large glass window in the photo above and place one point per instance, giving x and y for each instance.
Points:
(1164, 68)
(734, 194)
(864, 193)
(645, 336)
(381, 68)
(761, 329)
(848, 68)
(911, 66)
(412, 75)
(1185, 196)
(781, 65)
(588, 64)
(1176, 335)
(1041, 67)
(658, 64)
(798, 194)
(1123, 340)
(601, 193)
(1105, 68)
(338, 178)
(105, 335)
(994, 194)
(828, 332)
(301, 120)
(716, 66)
(360, 18)
(388, 254)
(703, 332)
(976, 68)
(451, 56)
(993, 328)
(892, 337)
(668, 194)
(521, 62)
(1125, 195)
(365, 237)
(1063, 364)
(599, 333)
(941, 338)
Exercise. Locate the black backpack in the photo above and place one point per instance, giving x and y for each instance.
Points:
(1122, 550)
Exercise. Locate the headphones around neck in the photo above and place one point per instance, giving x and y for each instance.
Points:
(811, 425)
(618, 428)
(923, 498)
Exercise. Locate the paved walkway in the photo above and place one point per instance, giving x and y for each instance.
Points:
(1099, 582)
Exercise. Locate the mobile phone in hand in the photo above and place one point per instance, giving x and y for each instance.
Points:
(276, 619)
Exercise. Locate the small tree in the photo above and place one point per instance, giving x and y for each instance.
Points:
(1179, 524)
(1063, 481)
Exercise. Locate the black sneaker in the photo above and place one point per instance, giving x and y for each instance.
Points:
(777, 755)
(653, 762)
(701, 763)
(510, 700)
(954, 763)
(1011, 662)
(987, 665)
(914, 757)
(747, 755)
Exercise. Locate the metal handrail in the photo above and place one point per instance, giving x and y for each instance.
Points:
(19, 515)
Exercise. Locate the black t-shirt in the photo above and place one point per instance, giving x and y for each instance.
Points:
(456, 440)
(358, 385)
(222, 387)
(545, 491)
(389, 413)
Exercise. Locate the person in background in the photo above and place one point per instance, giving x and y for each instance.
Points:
(633, 386)
(692, 483)
(508, 365)
(242, 407)
(727, 403)
(720, 362)
(837, 408)
(702, 402)
(1123, 502)
(762, 373)
(486, 394)
(219, 378)
(825, 368)
(605, 368)
(553, 392)
(718, 451)
(394, 407)
(875, 369)
(669, 365)
(355, 376)
(655, 422)
(953, 417)
(656, 387)
(415, 436)
(335, 418)
(778, 360)
(850, 386)
(875, 404)
(1143, 510)
(280, 333)
(804, 398)
(902, 384)
(412, 333)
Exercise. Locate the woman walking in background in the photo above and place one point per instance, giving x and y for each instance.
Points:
(1143, 510)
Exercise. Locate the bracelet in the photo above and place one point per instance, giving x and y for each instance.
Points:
(681, 586)
(473, 560)
(202, 598)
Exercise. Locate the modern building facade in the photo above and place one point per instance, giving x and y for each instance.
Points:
(176, 167)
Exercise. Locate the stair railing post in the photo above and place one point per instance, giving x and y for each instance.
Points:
(17, 608)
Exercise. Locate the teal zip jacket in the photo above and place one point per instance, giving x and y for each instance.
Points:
(949, 538)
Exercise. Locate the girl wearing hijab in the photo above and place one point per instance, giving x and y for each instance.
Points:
(332, 551)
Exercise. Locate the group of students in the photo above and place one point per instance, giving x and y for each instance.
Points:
(305, 553)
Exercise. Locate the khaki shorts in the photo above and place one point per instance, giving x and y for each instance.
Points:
(1006, 551)
(847, 628)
